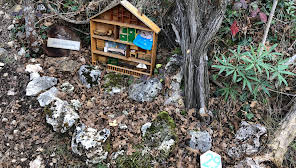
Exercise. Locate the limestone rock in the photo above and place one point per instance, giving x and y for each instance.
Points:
(247, 140)
(174, 72)
(47, 97)
(37, 163)
(40, 84)
(89, 76)
(89, 142)
(76, 104)
(160, 134)
(200, 140)
(61, 116)
(33, 68)
(145, 127)
(67, 87)
(145, 91)
(34, 75)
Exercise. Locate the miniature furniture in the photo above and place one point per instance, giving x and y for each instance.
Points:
(124, 39)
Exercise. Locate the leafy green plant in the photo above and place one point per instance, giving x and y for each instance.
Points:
(253, 71)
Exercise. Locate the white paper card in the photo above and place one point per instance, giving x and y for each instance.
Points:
(64, 44)
(210, 160)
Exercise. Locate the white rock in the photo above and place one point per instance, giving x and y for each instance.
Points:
(76, 104)
(33, 68)
(3, 52)
(2, 64)
(15, 131)
(115, 90)
(10, 27)
(37, 163)
(67, 87)
(47, 97)
(62, 117)
(10, 44)
(145, 127)
(166, 145)
(5, 74)
(22, 52)
(23, 159)
(40, 84)
(11, 92)
(89, 76)
(4, 120)
(2, 13)
(13, 122)
(122, 126)
(88, 142)
(34, 75)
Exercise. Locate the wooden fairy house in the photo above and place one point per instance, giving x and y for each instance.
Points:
(124, 39)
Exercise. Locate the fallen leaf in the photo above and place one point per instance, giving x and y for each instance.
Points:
(234, 28)
(113, 124)
(255, 12)
(263, 17)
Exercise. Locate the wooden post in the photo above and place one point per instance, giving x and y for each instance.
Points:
(93, 43)
(154, 50)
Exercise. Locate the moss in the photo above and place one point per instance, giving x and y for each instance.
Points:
(114, 80)
(47, 111)
(166, 117)
(136, 160)
(107, 145)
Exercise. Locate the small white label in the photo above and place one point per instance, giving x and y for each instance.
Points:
(64, 44)
(210, 160)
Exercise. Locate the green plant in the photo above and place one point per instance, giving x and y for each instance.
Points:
(253, 71)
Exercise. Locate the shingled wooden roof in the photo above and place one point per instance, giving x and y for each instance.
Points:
(135, 12)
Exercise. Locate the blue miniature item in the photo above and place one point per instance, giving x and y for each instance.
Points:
(143, 43)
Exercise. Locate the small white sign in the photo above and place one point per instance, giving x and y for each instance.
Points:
(64, 44)
(210, 160)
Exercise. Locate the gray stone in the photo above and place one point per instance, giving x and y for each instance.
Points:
(200, 140)
(3, 52)
(247, 140)
(89, 142)
(145, 127)
(61, 116)
(40, 84)
(174, 72)
(145, 91)
(22, 52)
(89, 76)
(249, 163)
(115, 155)
(47, 97)
(67, 87)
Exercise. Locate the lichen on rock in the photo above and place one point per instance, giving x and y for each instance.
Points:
(89, 142)
(89, 76)
(161, 134)
(62, 116)
(145, 91)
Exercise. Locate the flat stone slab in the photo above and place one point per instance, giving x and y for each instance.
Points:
(40, 84)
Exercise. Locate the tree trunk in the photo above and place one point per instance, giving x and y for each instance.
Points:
(198, 21)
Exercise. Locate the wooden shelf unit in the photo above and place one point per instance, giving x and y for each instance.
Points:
(122, 14)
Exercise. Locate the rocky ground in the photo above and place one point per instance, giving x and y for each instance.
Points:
(117, 121)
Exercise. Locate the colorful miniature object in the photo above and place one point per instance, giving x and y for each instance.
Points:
(124, 40)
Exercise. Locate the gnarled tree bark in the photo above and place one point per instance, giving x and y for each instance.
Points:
(197, 23)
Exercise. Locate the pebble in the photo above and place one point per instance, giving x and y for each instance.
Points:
(15, 131)
(23, 159)
(4, 120)
(10, 27)
(10, 44)
(5, 74)
(11, 92)
(13, 122)
(22, 52)
(2, 13)
(54, 160)
(2, 64)
(13, 160)
(125, 112)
